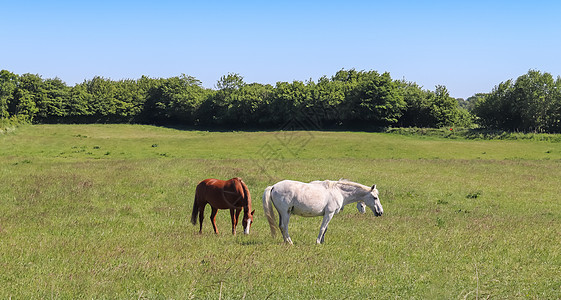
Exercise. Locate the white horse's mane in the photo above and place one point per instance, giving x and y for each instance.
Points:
(353, 184)
(330, 184)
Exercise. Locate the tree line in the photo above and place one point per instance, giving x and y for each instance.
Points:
(531, 103)
(349, 99)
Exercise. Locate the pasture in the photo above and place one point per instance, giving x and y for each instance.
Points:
(103, 211)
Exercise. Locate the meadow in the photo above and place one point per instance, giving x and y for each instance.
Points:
(103, 211)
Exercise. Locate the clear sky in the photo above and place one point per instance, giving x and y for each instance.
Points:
(468, 46)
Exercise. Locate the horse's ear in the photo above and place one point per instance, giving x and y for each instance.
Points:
(373, 188)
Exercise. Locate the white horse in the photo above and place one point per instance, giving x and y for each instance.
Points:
(317, 198)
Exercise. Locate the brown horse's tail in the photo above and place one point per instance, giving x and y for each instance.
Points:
(195, 207)
(268, 208)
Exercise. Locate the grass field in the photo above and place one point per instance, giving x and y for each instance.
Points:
(102, 211)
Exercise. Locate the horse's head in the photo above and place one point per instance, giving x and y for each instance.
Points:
(247, 220)
(371, 200)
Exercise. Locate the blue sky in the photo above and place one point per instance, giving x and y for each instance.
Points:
(468, 46)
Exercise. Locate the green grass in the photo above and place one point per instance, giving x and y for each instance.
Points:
(102, 211)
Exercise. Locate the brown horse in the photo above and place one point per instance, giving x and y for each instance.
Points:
(231, 194)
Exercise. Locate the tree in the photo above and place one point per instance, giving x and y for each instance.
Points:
(288, 101)
(180, 97)
(376, 99)
(23, 105)
(328, 97)
(230, 82)
(102, 102)
(8, 84)
(444, 108)
(246, 105)
(495, 110)
(131, 98)
(218, 109)
(531, 103)
(51, 99)
(418, 106)
(78, 105)
(534, 101)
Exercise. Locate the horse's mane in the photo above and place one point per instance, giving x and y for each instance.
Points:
(330, 184)
(247, 195)
(353, 184)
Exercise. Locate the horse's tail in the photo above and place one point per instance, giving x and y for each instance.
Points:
(195, 207)
(268, 208)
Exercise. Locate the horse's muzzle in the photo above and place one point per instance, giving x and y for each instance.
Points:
(246, 229)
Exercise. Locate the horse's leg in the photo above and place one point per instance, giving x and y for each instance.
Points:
(238, 211)
(283, 225)
(201, 217)
(323, 229)
(213, 219)
(323, 237)
(235, 216)
(234, 221)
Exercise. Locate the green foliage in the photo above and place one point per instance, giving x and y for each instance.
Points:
(77, 106)
(23, 104)
(8, 84)
(474, 134)
(179, 98)
(376, 98)
(52, 104)
(531, 103)
(230, 82)
(228, 102)
(432, 109)
(247, 104)
(103, 103)
(288, 100)
(349, 99)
